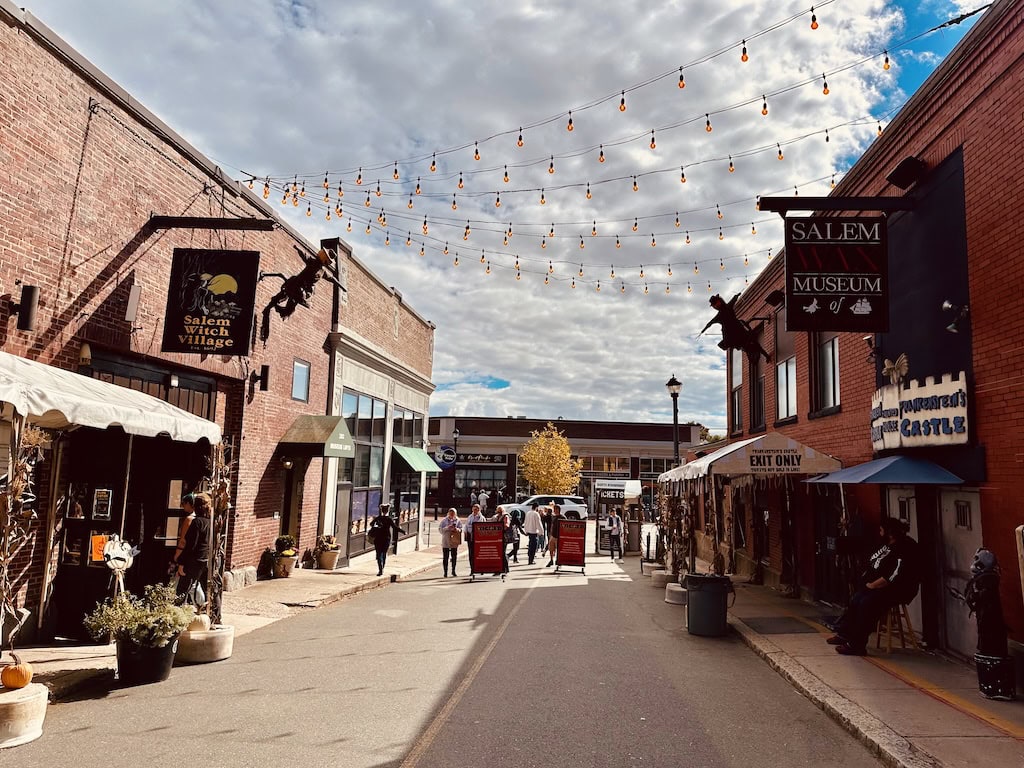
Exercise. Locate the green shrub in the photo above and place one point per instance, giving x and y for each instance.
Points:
(152, 620)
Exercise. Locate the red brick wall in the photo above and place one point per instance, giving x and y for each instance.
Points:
(79, 185)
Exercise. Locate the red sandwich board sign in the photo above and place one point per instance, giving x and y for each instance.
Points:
(572, 536)
(488, 548)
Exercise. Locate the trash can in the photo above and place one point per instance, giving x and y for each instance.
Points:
(996, 678)
(633, 536)
(707, 604)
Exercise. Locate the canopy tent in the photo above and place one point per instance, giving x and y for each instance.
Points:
(54, 398)
(766, 455)
(892, 470)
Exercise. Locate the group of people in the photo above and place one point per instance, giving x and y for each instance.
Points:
(541, 529)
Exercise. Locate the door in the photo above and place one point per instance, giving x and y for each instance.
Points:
(829, 581)
(902, 504)
(343, 520)
(961, 537)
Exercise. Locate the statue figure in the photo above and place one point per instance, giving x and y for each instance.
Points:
(736, 333)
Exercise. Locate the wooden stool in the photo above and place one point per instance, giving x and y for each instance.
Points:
(896, 619)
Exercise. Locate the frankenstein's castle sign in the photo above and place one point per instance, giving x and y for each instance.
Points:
(920, 415)
(837, 276)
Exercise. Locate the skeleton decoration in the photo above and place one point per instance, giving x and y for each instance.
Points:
(119, 556)
(298, 289)
(736, 333)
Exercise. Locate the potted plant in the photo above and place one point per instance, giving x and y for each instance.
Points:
(285, 555)
(22, 702)
(145, 629)
(326, 552)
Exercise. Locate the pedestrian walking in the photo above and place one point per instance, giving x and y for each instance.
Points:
(475, 516)
(533, 526)
(516, 518)
(451, 538)
(615, 532)
(192, 555)
(553, 531)
(482, 499)
(379, 533)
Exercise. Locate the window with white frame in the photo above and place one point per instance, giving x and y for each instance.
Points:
(785, 368)
(300, 380)
(736, 390)
(827, 383)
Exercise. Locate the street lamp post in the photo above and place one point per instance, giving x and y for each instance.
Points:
(673, 386)
(455, 445)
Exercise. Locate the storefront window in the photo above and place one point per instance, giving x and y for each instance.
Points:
(350, 411)
(365, 418)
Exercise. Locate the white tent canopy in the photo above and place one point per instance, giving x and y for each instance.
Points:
(766, 455)
(54, 398)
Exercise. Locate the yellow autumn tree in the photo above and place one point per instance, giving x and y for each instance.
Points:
(547, 462)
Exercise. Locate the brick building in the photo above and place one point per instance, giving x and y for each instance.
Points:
(955, 301)
(88, 172)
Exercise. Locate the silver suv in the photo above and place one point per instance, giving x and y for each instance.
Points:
(573, 507)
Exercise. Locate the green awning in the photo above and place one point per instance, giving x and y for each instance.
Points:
(318, 436)
(417, 459)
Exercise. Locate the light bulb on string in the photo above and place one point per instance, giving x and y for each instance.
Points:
(622, 102)
(688, 241)
(266, 188)
(387, 238)
(433, 163)
(455, 262)
(707, 122)
(581, 270)
(622, 287)
(519, 141)
(598, 288)
(636, 187)
(295, 200)
(426, 227)
(757, 203)
(696, 269)
(488, 270)
(732, 168)
(367, 227)
(582, 244)
(394, 174)
(618, 243)
(284, 199)
(546, 280)
(636, 224)
(465, 235)
(327, 197)
(612, 275)
(551, 267)
(721, 264)
(689, 288)
(367, 202)
(879, 128)
(445, 251)
(641, 271)
(382, 218)
(769, 254)
(646, 290)
(251, 181)
(302, 192)
(832, 184)
(348, 227)
(764, 105)
(309, 209)
(505, 177)
(709, 286)
(718, 212)
(509, 231)
(423, 250)
(721, 234)
(542, 200)
(796, 191)
(677, 219)
(746, 280)
(682, 80)
(409, 204)
(654, 243)
(460, 184)
(593, 230)
(419, 189)
(408, 240)
(653, 144)
(455, 205)
(476, 150)
(497, 200)
(746, 260)
(600, 156)
(328, 216)
(551, 231)
(667, 289)
(779, 147)
(295, 184)
(814, 19)
(682, 175)
(885, 63)
(337, 210)
(824, 84)
(753, 229)
(359, 177)
(573, 285)
(589, 196)
(504, 240)
(551, 166)
(341, 191)
(569, 126)
(826, 136)
(543, 242)
(670, 270)
(743, 55)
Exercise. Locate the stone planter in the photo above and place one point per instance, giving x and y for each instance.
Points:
(22, 711)
(283, 567)
(328, 560)
(141, 664)
(203, 646)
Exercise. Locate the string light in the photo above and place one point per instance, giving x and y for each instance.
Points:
(824, 84)
(780, 155)
(732, 168)
(419, 190)
(327, 197)
(504, 240)
(378, 192)
(266, 188)
(677, 219)
(517, 260)
(519, 141)
(826, 135)
(622, 288)
(456, 261)
(568, 126)
(636, 187)
(497, 200)
(757, 203)
(295, 201)
(753, 229)
(359, 177)
(460, 184)
(721, 264)
(696, 269)
(445, 248)
(367, 202)
(589, 196)
(476, 150)
(341, 190)
(573, 285)
(885, 63)
(455, 205)
(387, 238)
(612, 275)
(682, 175)
(667, 289)
(832, 184)
(303, 192)
(465, 235)
(337, 210)
(879, 128)
(510, 230)
(653, 243)
(707, 124)
(505, 177)
(709, 286)
(600, 156)
(617, 243)
(746, 280)
(718, 212)
(519, 275)
(542, 200)
(646, 290)
(543, 242)
(348, 227)
(721, 234)
(670, 270)
(593, 230)
(582, 244)
(551, 166)
(641, 271)
(251, 180)
(636, 224)
(426, 227)
(488, 270)
(746, 260)
(394, 174)
(408, 240)
(689, 288)
(743, 56)
(433, 162)
(551, 267)
(653, 144)
(764, 105)
(423, 251)
(309, 209)
(598, 288)
(682, 80)
(581, 270)
(410, 201)
(814, 19)
(622, 102)
(688, 241)
(546, 281)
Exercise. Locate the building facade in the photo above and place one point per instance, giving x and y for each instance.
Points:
(943, 384)
(320, 384)
(481, 452)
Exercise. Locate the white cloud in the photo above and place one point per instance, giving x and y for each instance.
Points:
(275, 87)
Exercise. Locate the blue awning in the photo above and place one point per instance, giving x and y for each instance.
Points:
(892, 470)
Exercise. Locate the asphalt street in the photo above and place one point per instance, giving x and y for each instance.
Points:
(541, 670)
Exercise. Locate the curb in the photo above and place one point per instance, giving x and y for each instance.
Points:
(884, 743)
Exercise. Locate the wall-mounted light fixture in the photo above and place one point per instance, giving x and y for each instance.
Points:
(908, 173)
(262, 378)
(776, 298)
(85, 354)
(961, 313)
(287, 463)
(172, 381)
(26, 310)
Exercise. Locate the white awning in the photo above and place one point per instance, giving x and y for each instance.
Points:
(54, 398)
(769, 454)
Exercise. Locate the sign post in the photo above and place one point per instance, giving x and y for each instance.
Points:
(572, 536)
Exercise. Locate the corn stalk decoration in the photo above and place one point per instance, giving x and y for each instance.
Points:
(16, 516)
(219, 483)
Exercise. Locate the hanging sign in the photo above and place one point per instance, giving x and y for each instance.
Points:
(210, 301)
(920, 415)
(837, 274)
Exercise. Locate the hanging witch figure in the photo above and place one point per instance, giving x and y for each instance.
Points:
(736, 333)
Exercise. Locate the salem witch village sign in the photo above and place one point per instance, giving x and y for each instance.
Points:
(837, 274)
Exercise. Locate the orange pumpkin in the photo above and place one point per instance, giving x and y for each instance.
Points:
(16, 675)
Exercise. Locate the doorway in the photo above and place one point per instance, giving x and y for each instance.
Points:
(961, 537)
(830, 584)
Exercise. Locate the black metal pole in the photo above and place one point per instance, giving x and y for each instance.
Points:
(675, 427)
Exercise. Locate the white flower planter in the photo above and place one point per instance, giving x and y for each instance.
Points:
(22, 711)
(204, 646)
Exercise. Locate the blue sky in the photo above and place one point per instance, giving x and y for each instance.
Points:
(295, 88)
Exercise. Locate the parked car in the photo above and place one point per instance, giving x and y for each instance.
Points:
(573, 507)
